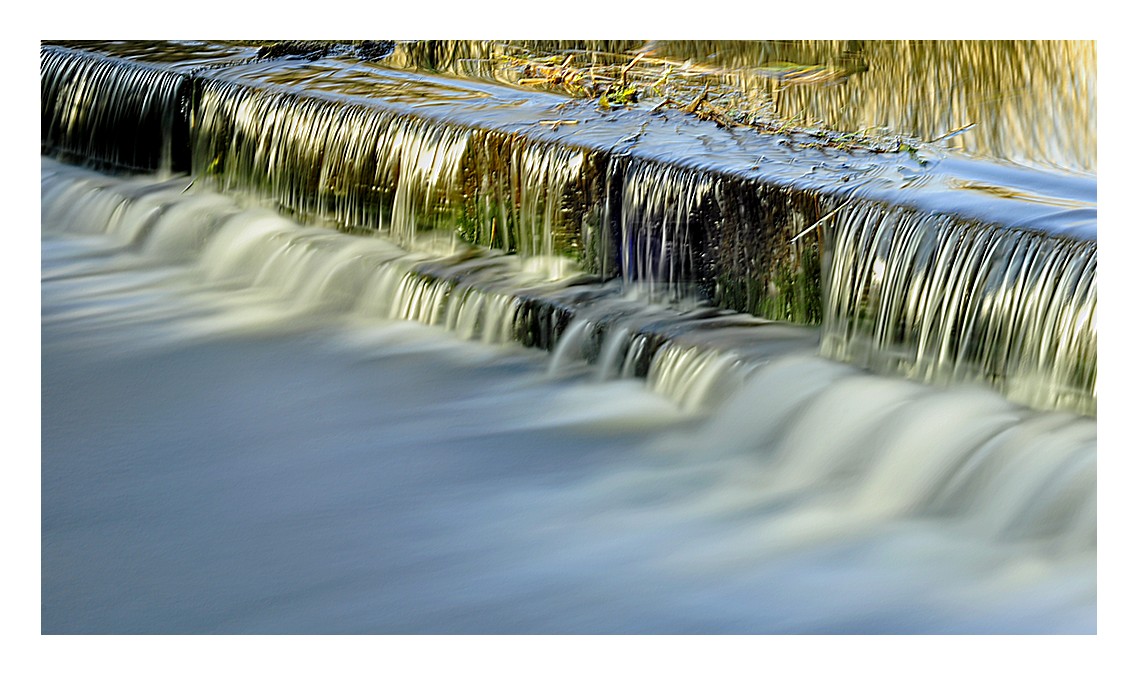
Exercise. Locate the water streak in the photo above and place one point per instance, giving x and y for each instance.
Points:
(278, 440)
(112, 113)
(944, 301)
(923, 295)
(662, 228)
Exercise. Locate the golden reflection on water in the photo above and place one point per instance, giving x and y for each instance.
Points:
(1031, 102)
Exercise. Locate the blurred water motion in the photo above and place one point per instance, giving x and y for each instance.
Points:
(227, 448)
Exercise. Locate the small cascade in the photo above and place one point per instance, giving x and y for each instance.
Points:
(259, 283)
(88, 203)
(695, 355)
(687, 234)
(850, 449)
(427, 161)
(665, 213)
(612, 334)
(847, 446)
(929, 296)
(539, 200)
(478, 293)
(545, 174)
(320, 159)
(696, 377)
(333, 154)
(943, 301)
(364, 168)
(113, 113)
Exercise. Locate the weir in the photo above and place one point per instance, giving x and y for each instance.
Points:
(244, 430)
(933, 266)
(362, 338)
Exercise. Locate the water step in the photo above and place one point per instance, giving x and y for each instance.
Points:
(871, 245)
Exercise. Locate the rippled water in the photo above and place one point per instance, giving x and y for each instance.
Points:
(240, 453)
(1031, 102)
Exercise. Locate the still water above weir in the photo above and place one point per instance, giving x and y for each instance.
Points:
(1028, 102)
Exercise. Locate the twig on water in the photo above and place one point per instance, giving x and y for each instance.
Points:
(818, 223)
(953, 133)
(634, 137)
(694, 105)
(555, 124)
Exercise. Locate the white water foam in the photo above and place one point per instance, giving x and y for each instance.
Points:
(241, 434)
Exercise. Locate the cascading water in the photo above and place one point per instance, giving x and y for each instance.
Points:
(662, 228)
(327, 153)
(314, 158)
(110, 112)
(371, 170)
(947, 302)
(803, 470)
(444, 486)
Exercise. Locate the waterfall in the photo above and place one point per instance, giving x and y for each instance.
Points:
(797, 451)
(662, 224)
(943, 301)
(475, 292)
(929, 295)
(112, 112)
(367, 169)
(866, 447)
(330, 155)
(325, 349)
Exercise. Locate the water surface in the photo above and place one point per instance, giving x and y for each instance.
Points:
(237, 453)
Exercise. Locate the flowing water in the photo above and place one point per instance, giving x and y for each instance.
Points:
(1031, 102)
(249, 425)
(686, 209)
(919, 295)
(357, 347)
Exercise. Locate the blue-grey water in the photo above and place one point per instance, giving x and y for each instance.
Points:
(231, 445)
